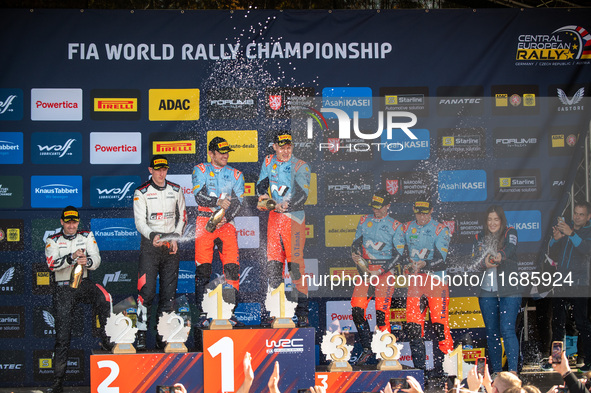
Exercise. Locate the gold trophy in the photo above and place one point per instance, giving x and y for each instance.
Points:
(214, 220)
(267, 204)
(76, 276)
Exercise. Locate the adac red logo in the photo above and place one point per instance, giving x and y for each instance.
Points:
(275, 102)
(392, 186)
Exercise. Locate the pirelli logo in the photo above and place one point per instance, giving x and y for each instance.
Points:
(115, 105)
(173, 147)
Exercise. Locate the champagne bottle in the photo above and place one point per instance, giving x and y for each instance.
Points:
(76, 276)
(267, 204)
(214, 220)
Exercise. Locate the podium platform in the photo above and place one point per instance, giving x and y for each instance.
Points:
(219, 368)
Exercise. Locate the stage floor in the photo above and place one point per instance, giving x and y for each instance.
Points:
(544, 380)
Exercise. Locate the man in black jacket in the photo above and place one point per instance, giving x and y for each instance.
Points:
(570, 248)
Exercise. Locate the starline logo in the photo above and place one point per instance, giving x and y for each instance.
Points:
(56, 150)
(174, 147)
(115, 104)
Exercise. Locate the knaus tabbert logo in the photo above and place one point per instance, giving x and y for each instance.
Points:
(344, 129)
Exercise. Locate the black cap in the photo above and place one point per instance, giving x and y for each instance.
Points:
(70, 213)
(158, 162)
(219, 144)
(380, 199)
(282, 138)
(422, 205)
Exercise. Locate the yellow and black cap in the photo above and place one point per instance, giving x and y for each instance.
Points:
(422, 206)
(380, 199)
(219, 144)
(70, 213)
(282, 138)
(158, 162)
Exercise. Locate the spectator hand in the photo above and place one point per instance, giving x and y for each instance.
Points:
(274, 380)
(387, 388)
(474, 380)
(562, 367)
(415, 386)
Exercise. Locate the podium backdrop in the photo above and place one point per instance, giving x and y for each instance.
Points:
(86, 97)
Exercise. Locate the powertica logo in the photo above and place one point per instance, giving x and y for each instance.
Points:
(56, 104)
(56, 191)
(565, 43)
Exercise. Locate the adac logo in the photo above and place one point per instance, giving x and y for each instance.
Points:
(565, 43)
(121, 104)
(174, 147)
(173, 104)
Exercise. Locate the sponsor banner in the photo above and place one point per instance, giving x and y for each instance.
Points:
(515, 99)
(313, 191)
(563, 140)
(11, 192)
(568, 98)
(12, 278)
(173, 104)
(137, 372)
(279, 101)
(407, 149)
(121, 104)
(11, 104)
(115, 234)
(113, 191)
(408, 99)
(349, 189)
(467, 226)
(528, 224)
(12, 232)
(517, 184)
(11, 147)
(244, 142)
(470, 355)
(56, 148)
(12, 321)
(248, 313)
(461, 143)
(371, 380)
(232, 103)
(45, 227)
(310, 276)
(348, 99)
(118, 277)
(186, 281)
(56, 191)
(527, 263)
(110, 148)
(41, 279)
(178, 146)
(44, 323)
(516, 142)
(12, 366)
(406, 355)
(464, 313)
(339, 317)
(339, 230)
(43, 364)
(458, 101)
(56, 104)
(406, 186)
(293, 347)
(558, 47)
(186, 183)
(557, 181)
(311, 224)
(462, 185)
(247, 231)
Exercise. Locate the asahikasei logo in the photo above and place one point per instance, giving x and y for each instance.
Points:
(528, 224)
(348, 99)
(11, 147)
(462, 185)
(407, 149)
(56, 148)
(114, 234)
(11, 104)
(112, 191)
(56, 191)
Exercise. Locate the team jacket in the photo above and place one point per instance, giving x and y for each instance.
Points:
(211, 183)
(59, 249)
(382, 239)
(159, 210)
(573, 254)
(428, 243)
(288, 181)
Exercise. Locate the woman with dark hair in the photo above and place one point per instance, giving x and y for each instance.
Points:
(496, 247)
